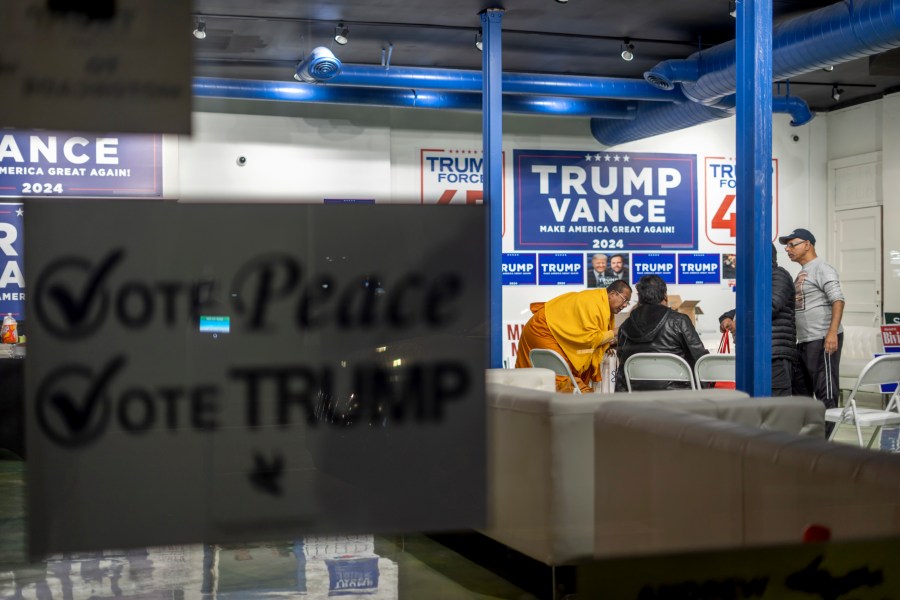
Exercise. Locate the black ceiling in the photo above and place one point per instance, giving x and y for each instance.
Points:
(264, 39)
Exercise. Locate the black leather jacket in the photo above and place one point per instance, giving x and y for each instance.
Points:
(784, 330)
(657, 328)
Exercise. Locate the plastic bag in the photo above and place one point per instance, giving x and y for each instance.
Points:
(608, 369)
(725, 348)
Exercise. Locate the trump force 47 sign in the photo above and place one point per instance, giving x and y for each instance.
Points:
(721, 200)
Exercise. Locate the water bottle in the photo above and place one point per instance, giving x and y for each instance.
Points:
(9, 331)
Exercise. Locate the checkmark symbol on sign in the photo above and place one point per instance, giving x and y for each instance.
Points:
(77, 414)
(76, 308)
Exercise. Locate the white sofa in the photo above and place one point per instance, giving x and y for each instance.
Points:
(541, 454)
(673, 481)
(860, 346)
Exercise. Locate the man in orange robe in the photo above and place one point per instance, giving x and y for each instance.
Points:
(579, 326)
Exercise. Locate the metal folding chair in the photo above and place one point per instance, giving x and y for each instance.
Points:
(657, 366)
(550, 359)
(880, 370)
(713, 368)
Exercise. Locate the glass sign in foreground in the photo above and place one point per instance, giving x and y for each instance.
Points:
(347, 394)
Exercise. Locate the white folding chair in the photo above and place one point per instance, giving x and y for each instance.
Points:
(713, 368)
(880, 370)
(550, 359)
(657, 366)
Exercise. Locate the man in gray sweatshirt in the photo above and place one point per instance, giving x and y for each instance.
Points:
(819, 308)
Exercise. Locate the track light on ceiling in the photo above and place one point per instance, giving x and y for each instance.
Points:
(342, 34)
(828, 68)
(200, 30)
(836, 92)
(478, 42)
(732, 8)
(627, 50)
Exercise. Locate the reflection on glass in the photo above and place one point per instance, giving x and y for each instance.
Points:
(312, 567)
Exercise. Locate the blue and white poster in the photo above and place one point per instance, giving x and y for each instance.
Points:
(699, 268)
(653, 263)
(12, 283)
(39, 163)
(519, 269)
(560, 269)
(576, 200)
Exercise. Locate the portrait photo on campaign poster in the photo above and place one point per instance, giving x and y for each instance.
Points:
(729, 266)
(603, 268)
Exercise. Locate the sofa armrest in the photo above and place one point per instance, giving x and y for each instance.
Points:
(534, 378)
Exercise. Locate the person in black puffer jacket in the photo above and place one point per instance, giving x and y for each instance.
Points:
(654, 327)
(784, 331)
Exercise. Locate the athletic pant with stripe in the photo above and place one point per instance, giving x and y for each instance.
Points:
(821, 372)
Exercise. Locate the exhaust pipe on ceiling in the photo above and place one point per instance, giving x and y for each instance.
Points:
(656, 119)
(460, 80)
(832, 35)
(211, 87)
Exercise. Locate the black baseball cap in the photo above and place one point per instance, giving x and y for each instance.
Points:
(798, 234)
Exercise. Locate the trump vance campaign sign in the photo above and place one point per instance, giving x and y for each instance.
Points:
(577, 200)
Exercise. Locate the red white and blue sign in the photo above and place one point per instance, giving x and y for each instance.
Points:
(653, 263)
(577, 200)
(699, 268)
(39, 163)
(12, 282)
(560, 269)
(519, 269)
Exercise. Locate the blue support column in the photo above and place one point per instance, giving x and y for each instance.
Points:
(754, 196)
(492, 134)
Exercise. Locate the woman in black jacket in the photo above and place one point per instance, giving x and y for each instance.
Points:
(653, 327)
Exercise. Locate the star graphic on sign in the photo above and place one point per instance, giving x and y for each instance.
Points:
(616, 158)
(606, 157)
(597, 157)
(587, 157)
(19, 212)
(626, 158)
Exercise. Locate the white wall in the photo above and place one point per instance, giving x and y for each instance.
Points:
(872, 127)
(307, 152)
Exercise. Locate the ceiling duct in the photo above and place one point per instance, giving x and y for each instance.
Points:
(513, 83)
(832, 35)
(210, 87)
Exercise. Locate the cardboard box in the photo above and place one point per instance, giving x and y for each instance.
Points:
(686, 307)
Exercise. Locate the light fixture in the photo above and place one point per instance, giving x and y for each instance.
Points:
(627, 50)
(836, 92)
(828, 68)
(342, 34)
(561, 1)
(200, 30)
(321, 64)
(732, 8)
(478, 42)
